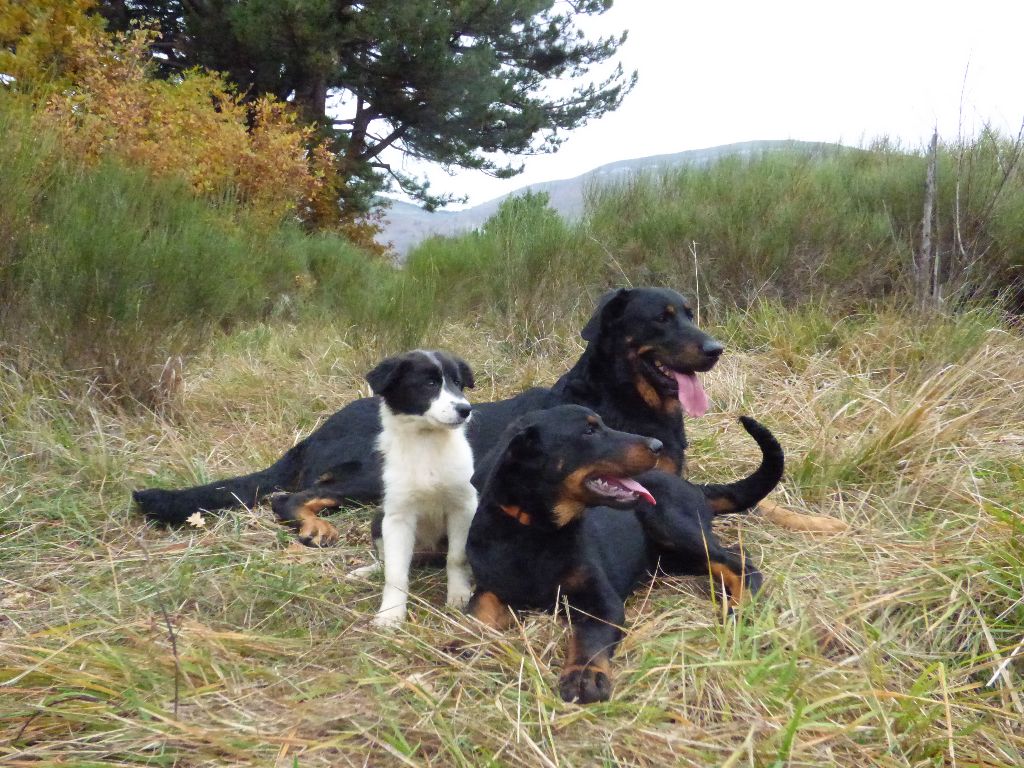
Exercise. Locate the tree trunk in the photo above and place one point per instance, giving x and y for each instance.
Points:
(925, 264)
(311, 98)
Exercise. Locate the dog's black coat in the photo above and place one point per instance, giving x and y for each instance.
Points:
(615, 376)
(539, 536)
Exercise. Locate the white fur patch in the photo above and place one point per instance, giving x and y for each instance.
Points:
(427, 469)
(443, 409)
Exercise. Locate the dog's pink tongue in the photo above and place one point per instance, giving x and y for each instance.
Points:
(635, 487)
(692, 396)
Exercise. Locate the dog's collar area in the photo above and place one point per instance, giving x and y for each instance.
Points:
(516, 513)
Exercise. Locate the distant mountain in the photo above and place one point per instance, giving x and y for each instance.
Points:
(406, 225)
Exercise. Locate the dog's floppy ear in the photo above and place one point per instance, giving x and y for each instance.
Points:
(609, 308)
(465, 373)
(384, 375)
(523, 446)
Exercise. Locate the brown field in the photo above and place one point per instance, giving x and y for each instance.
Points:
(889, 644)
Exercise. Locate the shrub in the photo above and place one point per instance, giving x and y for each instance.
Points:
(100, 93)
(38, 38)
(194, 127)
(836, 223)
(107, 269)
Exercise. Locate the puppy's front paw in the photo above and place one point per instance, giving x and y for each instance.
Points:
(458, 596)
(389, 618)
(585, 684)
(459, 587)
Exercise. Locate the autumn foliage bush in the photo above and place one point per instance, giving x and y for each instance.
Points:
(112, 272)
(37, 37)
(194, 127)
(139, 215)
(98, 91)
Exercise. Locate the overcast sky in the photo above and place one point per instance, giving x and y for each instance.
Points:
(719, 72)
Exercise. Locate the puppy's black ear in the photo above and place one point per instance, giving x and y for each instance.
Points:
(524, 445)
(465, 373)
(384, 375)
(609, 307)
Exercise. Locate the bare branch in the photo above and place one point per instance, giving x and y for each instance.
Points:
(380, 146)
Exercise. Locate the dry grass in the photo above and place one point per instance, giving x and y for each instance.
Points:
(229, 644)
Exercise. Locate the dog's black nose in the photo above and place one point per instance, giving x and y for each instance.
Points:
(463, 409)
(712, 348)
(654, 445)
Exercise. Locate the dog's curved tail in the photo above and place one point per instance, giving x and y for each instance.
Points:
(174, 507)
(744, 494)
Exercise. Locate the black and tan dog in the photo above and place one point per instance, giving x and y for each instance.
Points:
(638, 372)
(550, 527)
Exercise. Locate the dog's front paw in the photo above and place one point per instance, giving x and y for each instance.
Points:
(389, 618)
(458, 649)
(585, 684)
(279, 505)
(458, 595)
(314, 532)
(459, 602)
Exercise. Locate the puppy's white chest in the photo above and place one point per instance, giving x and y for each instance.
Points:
(427, 465)
(422, 460)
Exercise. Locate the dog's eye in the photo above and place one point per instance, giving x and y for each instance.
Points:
(457, 383)
(432, 383)
(590, 430)
(664, 317)
(689, 312)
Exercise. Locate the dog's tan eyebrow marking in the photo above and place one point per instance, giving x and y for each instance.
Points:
(592, 420)
(671, 310)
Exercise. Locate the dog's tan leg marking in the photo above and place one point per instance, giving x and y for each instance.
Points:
(583, 679)
(491, 610)
(732, 580)
(313, 530)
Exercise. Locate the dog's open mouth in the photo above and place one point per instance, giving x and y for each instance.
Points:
(687, 387)
(622, 489)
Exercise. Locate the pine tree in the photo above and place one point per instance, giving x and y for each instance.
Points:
(459, 83)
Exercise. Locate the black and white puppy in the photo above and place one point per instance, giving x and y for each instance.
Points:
(427, 469)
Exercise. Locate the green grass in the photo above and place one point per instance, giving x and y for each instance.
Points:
(841, 223)
(873, 647)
